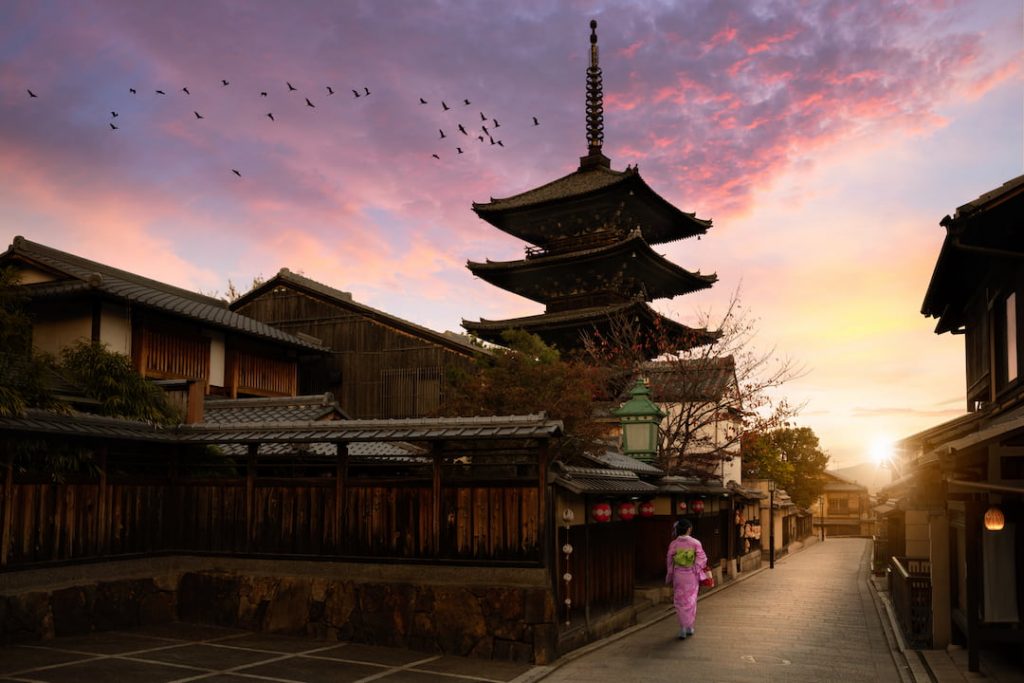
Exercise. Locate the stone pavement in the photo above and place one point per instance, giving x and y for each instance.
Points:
(811, 619)
(191, 652)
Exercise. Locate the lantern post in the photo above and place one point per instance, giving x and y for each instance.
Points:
(639, 417)
(771, 524)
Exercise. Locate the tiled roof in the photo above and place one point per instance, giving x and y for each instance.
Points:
(697, 379)
(285, 277)
(620, 461)
(84, 274)
(357, 449)
(582, 480)
(576, 183)
(423, 429)
(276, 409)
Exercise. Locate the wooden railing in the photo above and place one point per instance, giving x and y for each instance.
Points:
(170, 356)
(910, 586)
(264, 376)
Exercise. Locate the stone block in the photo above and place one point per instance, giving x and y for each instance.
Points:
(288, 609)
(210, 598)
(25, 617)
(73, 610)
(459, 620)
(539, 607)
(545, 643)
(339, 602)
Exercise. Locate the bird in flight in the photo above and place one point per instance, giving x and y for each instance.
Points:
(535, 121)
(500, 143)
(185, 90)
(309, 104)
(330, 90)
(113, 114)
(496, 124)
(422, 101)
(160, 92)
(460, 149)
(482, 117)
(31, 94)
(444, 106)
(113, 127)
(236, 173)
(366, 90)
(198, 115)
(435, 156)
(224, 82)
(485, 130)
(467, 102)
(356, 93)
(462, 130)
(443, 136)
(263, 93)
(480, 138)
(270, 115)
(290, 86)
(131, 90)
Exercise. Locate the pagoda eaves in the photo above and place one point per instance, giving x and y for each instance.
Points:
(628, 265)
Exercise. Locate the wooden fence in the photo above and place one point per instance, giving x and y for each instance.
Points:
(45, 522)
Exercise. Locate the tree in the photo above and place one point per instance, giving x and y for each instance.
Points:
(720, 384)
(109, 378)
(792, 456)
(525, 378)
(22, 372)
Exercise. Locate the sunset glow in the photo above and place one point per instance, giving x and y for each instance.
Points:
(825, 140)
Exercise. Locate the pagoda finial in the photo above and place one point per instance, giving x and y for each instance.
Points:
(595, 107)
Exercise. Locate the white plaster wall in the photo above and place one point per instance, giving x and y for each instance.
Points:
(50, 336)
(917, 533)
(217, 355)
(31, 276)
(116, 329)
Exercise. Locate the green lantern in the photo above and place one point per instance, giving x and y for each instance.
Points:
(639, 417)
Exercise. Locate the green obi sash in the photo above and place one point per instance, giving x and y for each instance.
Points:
(684, 557)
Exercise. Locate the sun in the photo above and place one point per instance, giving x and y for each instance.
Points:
(880, 450)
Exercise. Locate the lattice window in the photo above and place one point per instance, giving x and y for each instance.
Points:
(838, 506)
(171, 356)
(411, 392)
(265, 376)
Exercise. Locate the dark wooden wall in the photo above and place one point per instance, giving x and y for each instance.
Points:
(602, 567)
(376, 370)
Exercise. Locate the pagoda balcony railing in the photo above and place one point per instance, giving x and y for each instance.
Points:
(565, 245)
(910, 587)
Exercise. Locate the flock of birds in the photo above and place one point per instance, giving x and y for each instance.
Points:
(488, 127)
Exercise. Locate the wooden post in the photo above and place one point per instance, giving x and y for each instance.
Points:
(101, 503)
(340, 482)
(546, 525)
(250, 498)
(972, 547)
(435, 527)
(587, 563)
(5, 535)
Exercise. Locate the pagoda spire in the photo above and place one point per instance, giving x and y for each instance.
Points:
(595, 108)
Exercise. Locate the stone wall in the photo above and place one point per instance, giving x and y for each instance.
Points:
(472, 611)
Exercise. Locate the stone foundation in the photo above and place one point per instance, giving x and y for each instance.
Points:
(450, 610)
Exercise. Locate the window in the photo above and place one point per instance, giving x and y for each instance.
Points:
(838, 506)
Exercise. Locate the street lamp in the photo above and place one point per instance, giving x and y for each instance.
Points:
(771, 524)
(640, 418)
(821, 514)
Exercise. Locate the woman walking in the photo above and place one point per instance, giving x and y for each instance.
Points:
(685, 563)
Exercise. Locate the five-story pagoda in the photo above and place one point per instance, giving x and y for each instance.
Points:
(591, 259)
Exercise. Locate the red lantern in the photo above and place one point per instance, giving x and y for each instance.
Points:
(627, 511)
(698, 506)
(602, 512)
(647, 508)
(681, 507)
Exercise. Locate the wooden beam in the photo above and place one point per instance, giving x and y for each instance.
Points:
(972, 546)
(5, 535)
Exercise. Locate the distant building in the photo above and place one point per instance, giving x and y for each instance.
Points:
(379, 365)
(959, 520)
(845, 505)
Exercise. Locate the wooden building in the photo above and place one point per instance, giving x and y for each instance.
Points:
(956, 555)
(169, 332)
(379, 365)
(591, 258)
(844, 509)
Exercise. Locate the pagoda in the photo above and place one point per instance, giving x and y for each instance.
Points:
(591, 257)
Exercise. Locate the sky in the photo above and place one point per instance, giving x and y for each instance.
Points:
(826, 140)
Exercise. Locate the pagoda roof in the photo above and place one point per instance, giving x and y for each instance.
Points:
(546, 212)
(545, 277)
(563, 329)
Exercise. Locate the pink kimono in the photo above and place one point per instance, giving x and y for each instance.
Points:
(684, 564)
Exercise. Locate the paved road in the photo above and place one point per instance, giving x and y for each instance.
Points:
(812, 619)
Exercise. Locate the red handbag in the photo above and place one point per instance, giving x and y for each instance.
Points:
(707, 579)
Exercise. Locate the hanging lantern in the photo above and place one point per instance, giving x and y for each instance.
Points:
(697, 506)
(994, 519)
(627, 511)
(639, 418)
(647, 508)
(602, 512)
(681, 507)
(568, 516)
